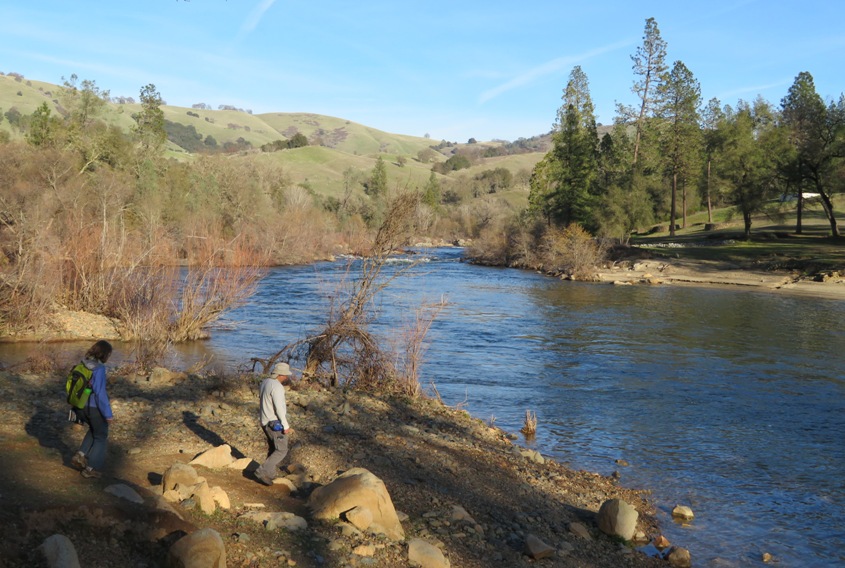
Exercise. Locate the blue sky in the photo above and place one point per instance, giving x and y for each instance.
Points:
(455, 70)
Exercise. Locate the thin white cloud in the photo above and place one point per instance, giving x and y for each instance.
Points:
(547, 68)
(254, 17)
(756, 89)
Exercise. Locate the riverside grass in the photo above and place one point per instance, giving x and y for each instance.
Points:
(773, 242)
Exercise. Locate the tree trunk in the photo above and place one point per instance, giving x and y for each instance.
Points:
(709, 203)
(746, 219)
(672, 207)
(828, 210)
(798, 228)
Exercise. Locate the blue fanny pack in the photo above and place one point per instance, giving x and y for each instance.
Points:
(275, 425)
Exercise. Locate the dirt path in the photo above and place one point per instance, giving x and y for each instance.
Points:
(431, 458)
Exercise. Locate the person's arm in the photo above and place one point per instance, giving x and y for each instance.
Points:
(98, 388)
(280, 406)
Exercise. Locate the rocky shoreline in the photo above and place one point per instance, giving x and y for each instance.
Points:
(467, 489)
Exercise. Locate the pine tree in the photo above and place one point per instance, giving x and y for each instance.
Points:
(816, 133)
(649, 68)
(563, 182)
(681, 138)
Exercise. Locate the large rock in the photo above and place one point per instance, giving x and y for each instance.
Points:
(358, 487)
(59, 552)
(201, 549)
(618, 518)
(221, 456)
(180, 474)
(424, 555)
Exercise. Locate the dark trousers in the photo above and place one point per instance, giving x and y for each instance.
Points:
(96, 439)
(278, 449)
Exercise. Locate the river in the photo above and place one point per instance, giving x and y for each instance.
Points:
(731, 402)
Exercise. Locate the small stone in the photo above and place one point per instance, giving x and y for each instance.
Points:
(537, 549)
(682, 512)
(364, 550)
(679, 558)
(767, 557)
(579, 530)
(662, 542)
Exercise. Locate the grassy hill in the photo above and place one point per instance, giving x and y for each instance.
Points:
(335, 144)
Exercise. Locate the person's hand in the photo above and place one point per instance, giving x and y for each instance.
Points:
(109, 420)
(288, 431)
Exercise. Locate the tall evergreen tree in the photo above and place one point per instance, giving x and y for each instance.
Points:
(711, 117)
(149, 126)
(377, 184)
(681, 138)
(649, 69)
(431, 192)
(816, 132)
(569, 197)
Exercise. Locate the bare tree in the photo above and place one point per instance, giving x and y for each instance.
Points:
(345, 351)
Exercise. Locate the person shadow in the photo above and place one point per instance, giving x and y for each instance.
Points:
(47, 427)
(191, 421)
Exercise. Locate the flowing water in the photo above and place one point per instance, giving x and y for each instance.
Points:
(729, 401)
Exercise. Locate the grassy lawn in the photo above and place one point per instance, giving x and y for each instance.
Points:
(773, 244)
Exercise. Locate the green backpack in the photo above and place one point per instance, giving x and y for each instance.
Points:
(78, 385)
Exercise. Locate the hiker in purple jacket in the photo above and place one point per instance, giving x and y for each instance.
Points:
(96, 414)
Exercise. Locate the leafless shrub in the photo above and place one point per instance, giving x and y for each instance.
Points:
(222, 281)
(413, 347)
(345, 351)
(572, 251)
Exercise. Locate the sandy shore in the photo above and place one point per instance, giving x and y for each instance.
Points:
(682, 272)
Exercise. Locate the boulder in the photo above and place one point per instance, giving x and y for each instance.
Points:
(59, 552)
(358, 487)
(421, 554)
(243, 464)
(360, 517)
(221, 456)
(221, 497)
(160, 375)
(618, 518)
(204, 498)
(179, 473)
(201, 549)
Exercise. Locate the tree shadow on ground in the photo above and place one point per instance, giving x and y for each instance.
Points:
(191, 421)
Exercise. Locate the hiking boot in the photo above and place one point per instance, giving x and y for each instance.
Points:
(263, 480)
(79, 460)
(91, 473)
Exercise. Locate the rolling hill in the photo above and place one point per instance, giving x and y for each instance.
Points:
(335, 144)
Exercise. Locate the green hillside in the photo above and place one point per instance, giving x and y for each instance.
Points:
(335, 146)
